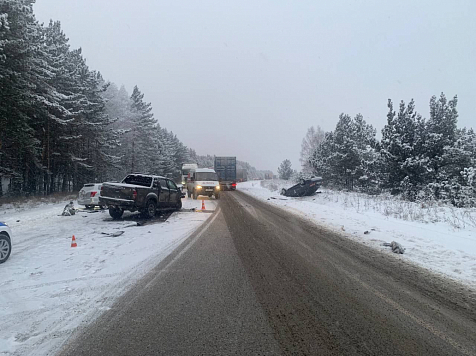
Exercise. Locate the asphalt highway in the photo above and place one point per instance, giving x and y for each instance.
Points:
(257, 280)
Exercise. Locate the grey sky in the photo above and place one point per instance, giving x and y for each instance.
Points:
(247, 78)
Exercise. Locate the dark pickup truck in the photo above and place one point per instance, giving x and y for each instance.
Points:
(141, 192)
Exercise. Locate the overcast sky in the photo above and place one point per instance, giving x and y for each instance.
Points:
(247, 78)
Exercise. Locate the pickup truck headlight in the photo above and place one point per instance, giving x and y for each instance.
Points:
(199, 187)
(217, 187)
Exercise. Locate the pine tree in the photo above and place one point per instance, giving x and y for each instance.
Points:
(441, 131)
(401, 149)
(143, 145)
(284, 170)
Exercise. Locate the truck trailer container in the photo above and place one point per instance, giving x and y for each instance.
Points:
(225, 167)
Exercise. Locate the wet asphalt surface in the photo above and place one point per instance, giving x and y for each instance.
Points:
(255, 280)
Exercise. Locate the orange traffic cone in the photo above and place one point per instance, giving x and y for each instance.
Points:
(203, 204)
(73, 242)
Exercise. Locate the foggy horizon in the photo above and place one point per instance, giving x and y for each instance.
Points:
(249, 79)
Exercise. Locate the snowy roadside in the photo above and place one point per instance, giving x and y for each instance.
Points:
(48, 288)
(440, 239)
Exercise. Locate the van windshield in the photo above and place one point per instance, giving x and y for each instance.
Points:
(138, 180)
(205, 176)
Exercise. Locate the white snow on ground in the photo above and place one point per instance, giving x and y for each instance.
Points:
(48, 288)
(442, 239)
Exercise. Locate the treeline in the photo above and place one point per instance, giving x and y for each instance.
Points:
(208, 161)
(418, 158)
(61, 123)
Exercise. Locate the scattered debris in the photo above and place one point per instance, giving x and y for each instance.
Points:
(69, 209)
(342, 228)
(366, 232)
(113, 234)
(131, 225)
(395, 246)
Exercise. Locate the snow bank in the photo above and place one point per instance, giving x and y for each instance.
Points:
(48, 289)
(439, 238)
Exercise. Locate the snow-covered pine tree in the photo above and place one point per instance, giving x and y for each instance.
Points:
(143, 141)
(117, 105)
(164, 164)
(26, 96)
(284, 170)
(441, 131)
(320, 160)
(401, 149)
(347, 158)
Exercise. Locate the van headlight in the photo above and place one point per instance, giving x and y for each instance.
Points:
(217, 187)
(199, 187)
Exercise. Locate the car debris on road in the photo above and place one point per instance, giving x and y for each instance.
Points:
(395, 246)
(69, 209)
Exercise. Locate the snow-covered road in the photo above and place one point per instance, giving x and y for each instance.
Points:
(441, 239)
(48, 288)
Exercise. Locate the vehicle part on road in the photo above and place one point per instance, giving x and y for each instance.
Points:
(69, 209)
(115, 234)
(395, 246)
(116, 213)
(5, 246)
(73, 242)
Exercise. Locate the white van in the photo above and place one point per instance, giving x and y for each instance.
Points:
(204, 181)
(187, 171)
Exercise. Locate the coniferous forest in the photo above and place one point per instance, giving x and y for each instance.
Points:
(416, 158)
(61, 123)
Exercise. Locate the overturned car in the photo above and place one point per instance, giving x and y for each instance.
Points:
(305, 187)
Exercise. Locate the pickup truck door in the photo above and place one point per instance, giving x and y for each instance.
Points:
(164, 193)
(156, 188)
(174, 192)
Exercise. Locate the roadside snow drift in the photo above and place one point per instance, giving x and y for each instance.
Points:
(441, 239)
(48, 288)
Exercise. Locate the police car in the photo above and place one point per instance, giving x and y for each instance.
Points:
(5, 242)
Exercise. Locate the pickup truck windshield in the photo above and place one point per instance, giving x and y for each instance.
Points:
(206, 176)
(138, 180)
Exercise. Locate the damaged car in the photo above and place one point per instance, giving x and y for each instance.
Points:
(305, 187)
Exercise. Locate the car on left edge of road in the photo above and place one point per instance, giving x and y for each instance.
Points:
(5, 242)
(89, 195)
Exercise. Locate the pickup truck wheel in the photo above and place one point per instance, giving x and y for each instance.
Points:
(151, 208)
(116, 213)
